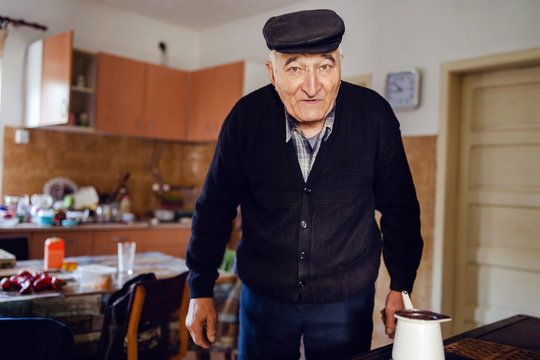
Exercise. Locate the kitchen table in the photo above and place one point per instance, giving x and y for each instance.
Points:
(517, 337)
(82, 308)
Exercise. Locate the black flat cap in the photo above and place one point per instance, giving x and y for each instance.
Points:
(304, 32)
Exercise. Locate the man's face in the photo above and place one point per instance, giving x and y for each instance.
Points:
(307, 84)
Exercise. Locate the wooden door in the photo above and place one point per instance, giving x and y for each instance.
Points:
(55, 80)
(165, 103)
(498, 252)
(120, 95)
(213, 93)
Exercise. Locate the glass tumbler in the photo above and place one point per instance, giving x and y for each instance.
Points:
(126, 256)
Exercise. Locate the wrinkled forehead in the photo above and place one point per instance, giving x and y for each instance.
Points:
(286, 59)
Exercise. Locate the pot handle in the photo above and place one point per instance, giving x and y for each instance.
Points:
(406, 300)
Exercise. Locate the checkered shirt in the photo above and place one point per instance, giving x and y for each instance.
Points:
(307, 154)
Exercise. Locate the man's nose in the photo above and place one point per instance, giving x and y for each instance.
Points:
(311, 83)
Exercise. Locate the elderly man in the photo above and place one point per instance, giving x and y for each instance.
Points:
(309, 158)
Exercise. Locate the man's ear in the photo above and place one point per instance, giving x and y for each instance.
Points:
(270, 70)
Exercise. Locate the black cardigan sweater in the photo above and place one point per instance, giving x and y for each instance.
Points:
(315, 241)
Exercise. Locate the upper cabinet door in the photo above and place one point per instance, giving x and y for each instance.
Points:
(212, 94)
(119, 95)
(55, 81)
(165, 103)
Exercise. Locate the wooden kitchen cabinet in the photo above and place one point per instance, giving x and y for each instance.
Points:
(140, 99)
(212, 94)
(77, 243)
(165, 103)
(120, 94)
(171, 241)
(105, 240)
(60, 83)
(93, 240)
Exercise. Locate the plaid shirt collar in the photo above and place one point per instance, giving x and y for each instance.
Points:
(304, 151)
(291, 127)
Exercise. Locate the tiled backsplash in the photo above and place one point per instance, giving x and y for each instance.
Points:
(100, 161)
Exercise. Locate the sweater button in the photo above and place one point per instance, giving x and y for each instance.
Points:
(307, 190)
(302, 255)
(303, 224)
(301, 284)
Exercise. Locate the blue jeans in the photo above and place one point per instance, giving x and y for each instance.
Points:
(272, 330)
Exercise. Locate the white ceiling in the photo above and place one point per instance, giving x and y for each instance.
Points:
(197, 14)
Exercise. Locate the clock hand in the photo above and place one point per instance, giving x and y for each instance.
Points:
(396, 87)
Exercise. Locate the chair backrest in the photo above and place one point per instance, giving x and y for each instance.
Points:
(151, 305)
(35, 338)
(116, 317)
(163, 296)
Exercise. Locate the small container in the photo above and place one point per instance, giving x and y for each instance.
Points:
(45, 217)
(83, 119)
(95, 276)
(69, 266)
(54, 253)
(69, 222)
(80, 81)
(7, 260)
(125, 205)
(164, 214)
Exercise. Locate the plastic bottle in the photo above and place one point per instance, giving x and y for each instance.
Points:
(54, 253)
(125, 205)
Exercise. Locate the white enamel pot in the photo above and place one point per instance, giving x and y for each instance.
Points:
(418, 334)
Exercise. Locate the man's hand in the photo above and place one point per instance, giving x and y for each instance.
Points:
(394, 302)
(201, 321)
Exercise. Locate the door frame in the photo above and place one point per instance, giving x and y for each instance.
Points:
(446, 187)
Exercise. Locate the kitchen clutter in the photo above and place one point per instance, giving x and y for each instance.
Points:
(63, 203)
(173, 203)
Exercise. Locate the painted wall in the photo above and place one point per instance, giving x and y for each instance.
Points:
(384, 35)
(380, 36)
(96, 28)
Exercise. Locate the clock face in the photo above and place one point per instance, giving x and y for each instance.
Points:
(402, 89)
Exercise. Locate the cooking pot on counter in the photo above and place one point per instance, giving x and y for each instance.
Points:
(164, 215)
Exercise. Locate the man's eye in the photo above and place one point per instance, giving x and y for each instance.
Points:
(325, 67)
(294, 69)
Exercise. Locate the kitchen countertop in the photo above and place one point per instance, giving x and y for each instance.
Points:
(30, 227)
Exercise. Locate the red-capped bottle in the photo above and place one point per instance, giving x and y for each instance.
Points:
(54, 253)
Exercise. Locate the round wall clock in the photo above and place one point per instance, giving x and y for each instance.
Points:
(403, 89)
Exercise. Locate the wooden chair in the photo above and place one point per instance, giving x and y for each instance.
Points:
(150, 305)
(35, 338)
(155, 301)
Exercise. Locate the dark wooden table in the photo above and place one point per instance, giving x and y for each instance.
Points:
(518, 335)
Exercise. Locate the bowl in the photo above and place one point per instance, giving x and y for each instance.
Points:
(164, 215)
(45, 220)
(69, 222)
(9, 222)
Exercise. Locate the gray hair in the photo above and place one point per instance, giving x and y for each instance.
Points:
(272, 57)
